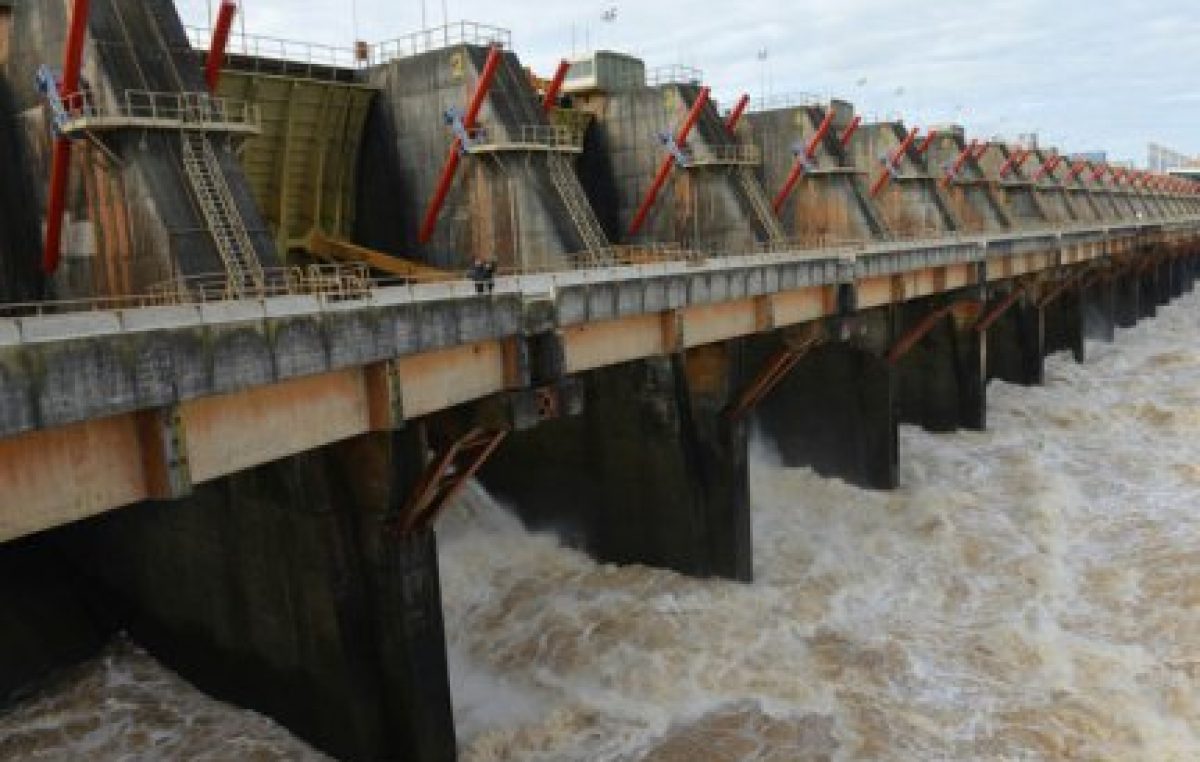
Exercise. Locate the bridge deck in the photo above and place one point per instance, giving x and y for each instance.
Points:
(83, 396)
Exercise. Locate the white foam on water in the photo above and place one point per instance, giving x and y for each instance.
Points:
(1031, 592)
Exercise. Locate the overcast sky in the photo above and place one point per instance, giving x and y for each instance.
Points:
(1084, 74)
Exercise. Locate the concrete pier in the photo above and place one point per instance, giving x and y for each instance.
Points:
(836, 411)
(134, 222)
(1127, 293)
(829, 200)
(1062, 324)
(1100, 309)
(516, 197)
(1016, 344)
(942, 379)
(653, 472)
(279, 589)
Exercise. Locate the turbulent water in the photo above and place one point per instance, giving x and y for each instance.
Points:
(1031, 593)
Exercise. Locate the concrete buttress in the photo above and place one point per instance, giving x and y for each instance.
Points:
(653, 471)
(1015, 343)
(281, 590)
(836, 411)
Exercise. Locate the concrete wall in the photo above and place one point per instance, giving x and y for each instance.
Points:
(700, 208)
(911, 203)
(156, 230)
(970, 194)
(502, 205)
(20, 234)
(830, 201)
(280, 589)
(1015, 190)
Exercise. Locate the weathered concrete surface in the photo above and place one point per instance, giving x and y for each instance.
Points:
(172, 354)
(1015, 343)
(651, 473)
(1022, 203)
(20, 232)
(1100, 309)
(912, 203)
(279, 589)
(941, 382)
(502, 205)
(410, 352)
(836, 411)
(829, 203)
(700, 208)
(1063, 325)
(139, 224)
(969, 193)
(1128, 295)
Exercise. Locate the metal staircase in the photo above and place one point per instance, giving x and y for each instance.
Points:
(578, 206)
(221, 213)
(754, 193)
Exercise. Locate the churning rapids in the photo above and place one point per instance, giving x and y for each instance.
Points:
(1031, 593)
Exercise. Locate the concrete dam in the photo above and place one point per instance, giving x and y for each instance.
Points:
(267, 309)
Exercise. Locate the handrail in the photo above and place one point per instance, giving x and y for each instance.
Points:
(439, 37)
(280, 49)
(790, 100)
(171, 109)
(548, 136)
(700, 155)
(343, 282)
(327, 60)
(675, 74)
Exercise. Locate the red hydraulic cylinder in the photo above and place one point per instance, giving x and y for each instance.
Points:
(735, 116)
(429, 223)
(966, 153)
(893, 160)
(928, 142)
(220, 41)
(855, 123)
(60, 163)
(664, 170)
(560, 76)
(810, 152)
(1015, 160)
(1047, 167)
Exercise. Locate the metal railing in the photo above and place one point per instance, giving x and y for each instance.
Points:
(342, 281)
(550, 137)
(328, 61)
(789, 100)
(703, 155)
(155, 109)
(315, 60)
(333, 283)
(337, 281)
(437, 38)
(674, 75)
